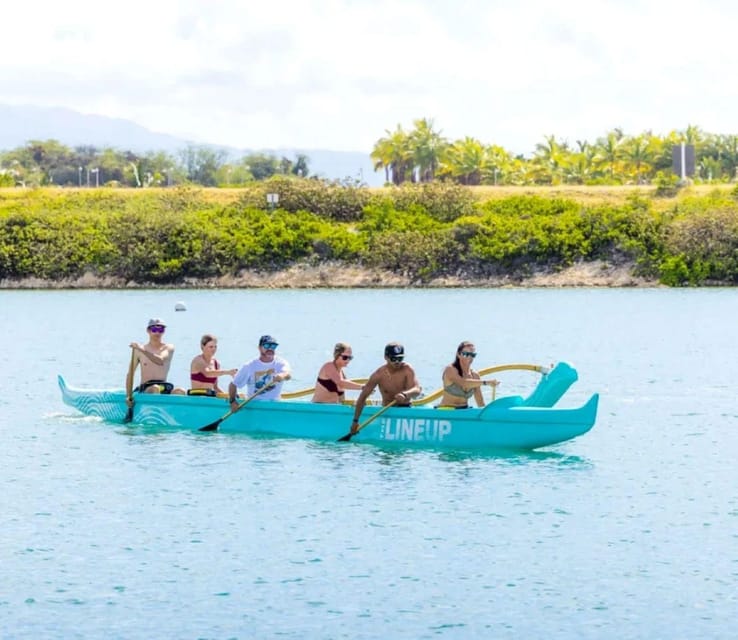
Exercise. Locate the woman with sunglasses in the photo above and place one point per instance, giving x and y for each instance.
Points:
(332, 382)
(461, 382)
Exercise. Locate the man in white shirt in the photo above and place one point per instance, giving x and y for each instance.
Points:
(263, 375)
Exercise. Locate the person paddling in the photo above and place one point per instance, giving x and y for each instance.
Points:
(205, 369)
(263, 375)
(396, 380)
(461, 382)
(331, 385)
(155, 359)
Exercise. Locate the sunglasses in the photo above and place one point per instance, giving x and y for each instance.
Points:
(157, 329)
(347, 357)
(396, 358)
(468, 354)
(270, 345)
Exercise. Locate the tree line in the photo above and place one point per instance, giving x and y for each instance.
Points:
(41, 163)
(418, 155)
(423, 155)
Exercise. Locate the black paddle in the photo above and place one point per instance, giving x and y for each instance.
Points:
(213, 426)
(351, 434)
(129, 387)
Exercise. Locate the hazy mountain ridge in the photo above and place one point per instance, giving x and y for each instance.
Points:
(19, 124)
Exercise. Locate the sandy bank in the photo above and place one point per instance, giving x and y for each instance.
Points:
(585, 274)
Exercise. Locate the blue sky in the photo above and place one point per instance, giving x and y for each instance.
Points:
(336, 74)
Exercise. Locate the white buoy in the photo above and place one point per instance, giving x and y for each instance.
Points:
(180, 306)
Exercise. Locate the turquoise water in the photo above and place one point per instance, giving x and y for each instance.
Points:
(628, 532)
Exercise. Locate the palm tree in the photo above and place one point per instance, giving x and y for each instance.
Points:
(395, 154)
(381, 156)
(496, 165)
(693, 135)
(465, 160)
(637, 153)
(428, 145)
(548, 160)
(609, 151)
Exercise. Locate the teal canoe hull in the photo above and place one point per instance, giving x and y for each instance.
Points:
(511, 422)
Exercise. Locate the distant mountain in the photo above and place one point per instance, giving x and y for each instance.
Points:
(19, 124)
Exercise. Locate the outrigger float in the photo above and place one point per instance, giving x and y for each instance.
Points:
(510, 422)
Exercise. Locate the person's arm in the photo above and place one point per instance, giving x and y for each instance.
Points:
(361, 400)
(478, 397)
(233, 396)
(129, 378)
(413, 388)
(344, 384)
(166, 354)
(239, 380)
(199, 366)
(284, 374)
(452, 375)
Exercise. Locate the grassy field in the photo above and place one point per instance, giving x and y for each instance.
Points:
(614, 195)
(583, 194)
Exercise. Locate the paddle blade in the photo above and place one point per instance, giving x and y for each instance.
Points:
(345, 438)
(129, 416)
(213, 426)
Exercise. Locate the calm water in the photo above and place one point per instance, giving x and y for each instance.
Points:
(628, 532)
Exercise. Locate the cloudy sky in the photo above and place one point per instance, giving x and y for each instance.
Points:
(336, 74)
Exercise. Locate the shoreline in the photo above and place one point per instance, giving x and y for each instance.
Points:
(334, 276)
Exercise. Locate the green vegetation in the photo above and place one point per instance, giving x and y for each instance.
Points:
(49, 163)
(424, 155)
(420, 156)
(426, 231)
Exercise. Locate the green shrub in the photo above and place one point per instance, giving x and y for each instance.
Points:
(701, 246)
(328, 199)
(416, 254)
(168, 236)
(440, 200)
(667, 185)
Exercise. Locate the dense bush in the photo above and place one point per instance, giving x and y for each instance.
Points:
(701, 246)
(342, 202)
(440, 200)
(421, 232)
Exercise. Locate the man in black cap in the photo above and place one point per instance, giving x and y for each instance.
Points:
(396, 380)
(263, 375)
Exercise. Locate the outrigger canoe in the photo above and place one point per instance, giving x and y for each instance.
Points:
(510, 422)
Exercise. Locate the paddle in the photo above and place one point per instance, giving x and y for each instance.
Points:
(214, 425)
(129, 387)
(304, 392)
(351, 434)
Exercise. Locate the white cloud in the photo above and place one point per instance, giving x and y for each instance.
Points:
(338, 73)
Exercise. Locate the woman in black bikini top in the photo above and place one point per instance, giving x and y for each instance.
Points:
(332, 383)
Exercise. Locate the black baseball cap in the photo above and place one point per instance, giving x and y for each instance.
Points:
(394, 349)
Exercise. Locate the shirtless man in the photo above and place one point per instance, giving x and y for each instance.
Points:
(155, 358)
(396, 380)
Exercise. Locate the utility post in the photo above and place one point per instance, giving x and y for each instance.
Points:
(683, 161)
